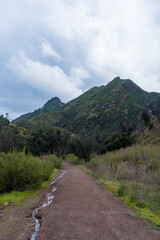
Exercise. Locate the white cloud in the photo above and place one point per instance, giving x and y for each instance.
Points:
(79, 74)
(115, 37)
(46, 78)
(48, 51)
(108, 38)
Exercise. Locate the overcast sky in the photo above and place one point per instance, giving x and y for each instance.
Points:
(63, 47)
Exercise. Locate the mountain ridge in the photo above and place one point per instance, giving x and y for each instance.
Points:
(106, 108)
(52, 105)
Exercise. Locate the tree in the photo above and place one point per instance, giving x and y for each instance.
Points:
(51, 140)
(119, 140)
(157, 110)
(82, 146)
(3, 121)
(37, 143)
(11, 139)
(145, 117)
(58, 140)
(7, 140)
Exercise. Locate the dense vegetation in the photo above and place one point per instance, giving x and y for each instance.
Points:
(48, 141)
(21, 171)
(97, 123)
(104, 109)
(3, 121)
(136, 170)
(53, 105)
(102, 119)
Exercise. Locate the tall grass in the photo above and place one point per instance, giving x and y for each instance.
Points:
(19, 171)
(136, 170)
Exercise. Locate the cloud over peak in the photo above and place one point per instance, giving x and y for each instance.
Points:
(46, 78)
(80, 44)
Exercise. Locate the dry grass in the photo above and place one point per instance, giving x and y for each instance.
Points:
(136, 169)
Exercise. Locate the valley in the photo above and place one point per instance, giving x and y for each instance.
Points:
(113, 133)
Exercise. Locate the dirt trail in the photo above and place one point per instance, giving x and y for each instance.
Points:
(84, 210)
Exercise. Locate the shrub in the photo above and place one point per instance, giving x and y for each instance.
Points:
(137, 168)
(95, 175)
(146, 117)
(141, 204)
(71, 158)
(81, 146)
(19, 171)
(132, 197)
(55, 161)
(121, 190)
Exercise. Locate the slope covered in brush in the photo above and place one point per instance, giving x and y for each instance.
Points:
(104, 109)
(108, 108)
(53, 105)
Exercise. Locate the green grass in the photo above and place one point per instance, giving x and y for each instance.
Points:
(17, 197)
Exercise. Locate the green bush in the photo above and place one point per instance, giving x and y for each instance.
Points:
(78, 161)
(81, 146)
(71, 158)
(95, 175)
(55, 161)
(121, 190)
(141, 204)
(19, 171)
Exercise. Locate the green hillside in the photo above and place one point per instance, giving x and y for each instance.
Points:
(108, 108)
(53, 105)
(104, 109)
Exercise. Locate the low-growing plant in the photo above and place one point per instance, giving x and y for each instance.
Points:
(121, 190)
(95, 175)
(156, 227)
(141, 204)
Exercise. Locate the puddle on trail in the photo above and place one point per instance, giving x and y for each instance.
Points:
(50, 198)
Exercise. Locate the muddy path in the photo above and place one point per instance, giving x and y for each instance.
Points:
(84, 210)
(36, 216)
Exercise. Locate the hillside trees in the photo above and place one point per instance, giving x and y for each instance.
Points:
(117, 141)
(82, 146)
(10, 137)
(3, 121)
(50, 140)
(58, 140)
(147, 119)
(7, 140)
(157, 110)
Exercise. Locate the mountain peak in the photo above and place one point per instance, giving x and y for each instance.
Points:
(52, 105)
(54, 100)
